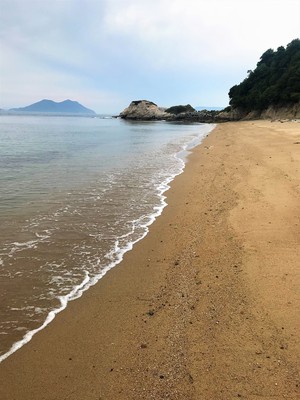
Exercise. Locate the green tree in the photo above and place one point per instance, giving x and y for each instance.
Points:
(275, 80)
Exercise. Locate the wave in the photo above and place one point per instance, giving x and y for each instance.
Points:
(116, 254)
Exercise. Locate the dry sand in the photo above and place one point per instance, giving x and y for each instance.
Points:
(207, 306)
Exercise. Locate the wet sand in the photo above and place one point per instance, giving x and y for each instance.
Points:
(207, 306)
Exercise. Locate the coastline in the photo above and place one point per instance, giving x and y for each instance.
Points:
(197, 309)
(115, 255)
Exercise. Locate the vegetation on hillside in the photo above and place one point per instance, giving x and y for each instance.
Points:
(275, 81)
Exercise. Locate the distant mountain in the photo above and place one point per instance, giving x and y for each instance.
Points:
(49, 106)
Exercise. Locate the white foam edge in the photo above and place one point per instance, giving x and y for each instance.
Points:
(78, 290)
(50, 317)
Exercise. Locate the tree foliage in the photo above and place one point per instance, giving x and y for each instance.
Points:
(275, 80)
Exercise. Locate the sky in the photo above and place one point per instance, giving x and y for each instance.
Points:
(106, 53)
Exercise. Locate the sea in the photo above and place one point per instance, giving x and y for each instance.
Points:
(76, 193)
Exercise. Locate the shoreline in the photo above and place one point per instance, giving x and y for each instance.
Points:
(188, 313)
(87, 282)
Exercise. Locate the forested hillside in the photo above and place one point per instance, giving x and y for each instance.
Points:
(274, 82)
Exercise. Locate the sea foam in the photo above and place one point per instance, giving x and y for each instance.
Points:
(139, 228)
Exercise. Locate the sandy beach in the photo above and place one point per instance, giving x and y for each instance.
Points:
(207, 306)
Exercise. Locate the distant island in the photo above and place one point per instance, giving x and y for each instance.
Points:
(50, 106)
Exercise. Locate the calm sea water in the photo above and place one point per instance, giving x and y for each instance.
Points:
(75, 195)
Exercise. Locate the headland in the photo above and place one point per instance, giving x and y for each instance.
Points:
(145, 110)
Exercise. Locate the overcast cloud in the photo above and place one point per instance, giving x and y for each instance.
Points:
(105, 53)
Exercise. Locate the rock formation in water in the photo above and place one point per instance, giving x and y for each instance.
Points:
(143, 110)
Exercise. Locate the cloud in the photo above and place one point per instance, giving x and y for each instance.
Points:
(195, 32)
(111, 51)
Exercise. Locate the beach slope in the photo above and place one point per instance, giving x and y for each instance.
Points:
(207, 305)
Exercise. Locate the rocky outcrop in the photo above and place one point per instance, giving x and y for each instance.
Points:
(203, 116)
(272, 113)
(229, 115)
(291, 112)
(143, 110)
